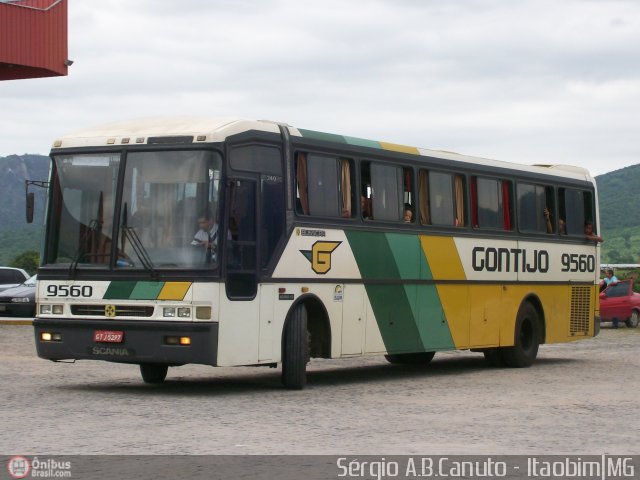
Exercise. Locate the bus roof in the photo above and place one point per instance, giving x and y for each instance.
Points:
(207, 130)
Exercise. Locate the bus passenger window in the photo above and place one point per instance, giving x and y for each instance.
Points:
(576, 209)
(491, 203)
(535, 208)
(386, 192)
(324, 185)
(441, 199)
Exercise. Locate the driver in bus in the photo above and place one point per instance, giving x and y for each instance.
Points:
(206, 236)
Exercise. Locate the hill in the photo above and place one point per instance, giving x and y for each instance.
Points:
(619, 197)
(16, 236)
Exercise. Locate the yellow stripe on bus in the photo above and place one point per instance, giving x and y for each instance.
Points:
(394, 147)
(174, 291)
(442, 257)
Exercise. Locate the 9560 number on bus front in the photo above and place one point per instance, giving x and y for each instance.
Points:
(74, 291)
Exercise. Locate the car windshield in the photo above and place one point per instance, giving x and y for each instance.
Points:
(164, 193)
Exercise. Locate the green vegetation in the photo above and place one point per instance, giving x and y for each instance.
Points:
(28, 261)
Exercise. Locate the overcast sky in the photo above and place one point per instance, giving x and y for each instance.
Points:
(530, 81)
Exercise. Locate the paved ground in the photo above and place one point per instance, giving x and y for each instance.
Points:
(579, 398)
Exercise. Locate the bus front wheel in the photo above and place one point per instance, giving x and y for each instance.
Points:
(526, 339)
(295, 350)
(153, 372)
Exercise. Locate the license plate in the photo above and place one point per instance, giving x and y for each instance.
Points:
(108, 336)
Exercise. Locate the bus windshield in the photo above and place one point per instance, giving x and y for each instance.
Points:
(170, 199)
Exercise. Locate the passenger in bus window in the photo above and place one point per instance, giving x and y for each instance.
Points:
(588, 232)
(408, 214)
(364, 206)
(547, 218)
(562, 227)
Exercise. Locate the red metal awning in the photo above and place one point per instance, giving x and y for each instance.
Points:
(33, 38)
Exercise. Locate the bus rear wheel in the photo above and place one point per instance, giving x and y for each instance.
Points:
(153, 372)
(526, 341)
(295, 350)
(420, 358)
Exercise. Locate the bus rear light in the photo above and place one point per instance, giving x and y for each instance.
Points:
(203, 313)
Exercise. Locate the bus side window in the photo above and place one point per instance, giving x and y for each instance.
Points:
(324, 185)
(386, 192)
(491, 203)
(535, 202)
(576, 208)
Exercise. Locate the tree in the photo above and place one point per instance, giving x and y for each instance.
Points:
(28, 261)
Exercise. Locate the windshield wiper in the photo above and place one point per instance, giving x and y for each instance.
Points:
(140, 250)
(93, 227)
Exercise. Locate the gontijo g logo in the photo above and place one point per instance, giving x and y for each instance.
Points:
(320, 255)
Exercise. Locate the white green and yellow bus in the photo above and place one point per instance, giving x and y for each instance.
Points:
(316, 246)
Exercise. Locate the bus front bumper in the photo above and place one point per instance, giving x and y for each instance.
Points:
(141, 342)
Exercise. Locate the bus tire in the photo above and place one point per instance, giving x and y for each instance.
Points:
(526, 339)
(295, 350)
(632, 321)
(493, 357)
(153, 372)
(420, 358)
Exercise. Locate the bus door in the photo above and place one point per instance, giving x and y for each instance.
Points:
(239, 301)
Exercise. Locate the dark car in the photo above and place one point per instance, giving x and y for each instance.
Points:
(12, 277)
(19, 301)
(619, 303)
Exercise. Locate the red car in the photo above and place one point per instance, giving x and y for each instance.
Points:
(619, 303)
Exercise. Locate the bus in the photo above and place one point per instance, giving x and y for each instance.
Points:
(235, 242)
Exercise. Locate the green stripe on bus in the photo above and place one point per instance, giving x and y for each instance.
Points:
(327, 137)
(410, 317)
(146, 291)
(373, 255)
(131, 290)
(119, 290)
(361, 142)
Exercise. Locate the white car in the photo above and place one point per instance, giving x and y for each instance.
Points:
(12, 277)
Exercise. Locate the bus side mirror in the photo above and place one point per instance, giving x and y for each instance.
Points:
(30, 205)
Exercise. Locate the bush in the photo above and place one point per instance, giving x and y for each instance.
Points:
(28, 261)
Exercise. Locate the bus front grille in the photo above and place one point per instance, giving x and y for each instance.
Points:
(580, 310)
(115, 311)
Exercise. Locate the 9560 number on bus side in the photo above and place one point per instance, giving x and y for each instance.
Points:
(578, 262)
(74, 291)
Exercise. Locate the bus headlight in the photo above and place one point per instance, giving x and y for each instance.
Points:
(169, 312)
(184, 312)
(47, 309)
